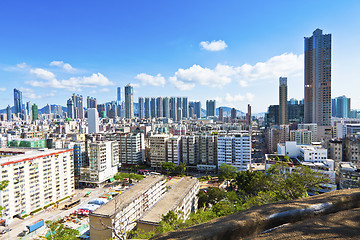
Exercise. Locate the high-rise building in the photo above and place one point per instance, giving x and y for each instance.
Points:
(283, 103)
(8, 113)
(78, 106)
(153, 108)
(101, 110)
(248, 115)
(173, 108)
(70, 108)
(158, 149)
(35, 113)
(179, 106)
(147, 108)
(131, 148)
(235, 150)
(129, 102)
(166, 107)
(48, 109)
(179, 114)
(28, 110)
(91, 102)
(93, 120)
(221, 114)
(210, 108)
(118, 94)
(174, 150)
(318, 79)
(159, 107)
(197, 109)
(185, 107)
(18, 103)
(141, 108)
(340, 107)
(233, 113)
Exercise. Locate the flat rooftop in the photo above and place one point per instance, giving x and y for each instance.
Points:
(127, 197)
(29, 154)
(171, 200)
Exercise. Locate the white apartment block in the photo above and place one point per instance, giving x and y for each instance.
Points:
(103, 163)
(181, 199)
(36, 178)
(189, 149)
(313, 127)
(131, 148)
(174, 150)
(126, 209)
(158, 149)
(235, 150)
(301, 136)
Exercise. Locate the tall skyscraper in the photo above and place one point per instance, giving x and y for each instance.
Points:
(248, 115)
(129, 102)
(283, 103)
(159, 107)
(185, 107)
(197, 109)
(8, 113)
(340, 107)
(166, 107)
(210, 108)
(28, 110)
(141, 108)
(221, 114)
(147, 108)
(48, 109)
(118, 94)
(93, 120)
(78, 106)
(179, 105)
(70, 108)
(18, 103)
(153, 108)
(173, 108)
(91, 102)
(233, 113)
(317, 102)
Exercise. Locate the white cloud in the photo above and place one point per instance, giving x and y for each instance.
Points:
(66, 66)
(2, 89)
(42, 74)
(248, 97)
(213, 46)
(185, 79)
(146, 79)
(22, 65)
(75, 83)
(104, 90)
(287, 64)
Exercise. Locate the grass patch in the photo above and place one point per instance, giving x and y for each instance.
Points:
(36, 210)
(49, 205)
(63, 199)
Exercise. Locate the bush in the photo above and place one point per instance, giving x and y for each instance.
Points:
(36, 210)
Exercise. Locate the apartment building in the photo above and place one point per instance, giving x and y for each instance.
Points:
(131, 148)
(190, 150)
(103, 163)
(235, 150)
(36, 178)
(158, 149)
(125, 209)
(301, 136)
(174, 150)
(181, 199)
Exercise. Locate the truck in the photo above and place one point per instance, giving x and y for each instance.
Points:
(30, 228)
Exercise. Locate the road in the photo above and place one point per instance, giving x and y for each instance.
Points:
(18, 225)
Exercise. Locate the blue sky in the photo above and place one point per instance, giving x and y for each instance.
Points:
(232, 51)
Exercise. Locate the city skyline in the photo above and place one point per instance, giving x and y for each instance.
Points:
(233, 63)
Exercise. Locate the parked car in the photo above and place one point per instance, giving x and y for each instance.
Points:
(5, 230)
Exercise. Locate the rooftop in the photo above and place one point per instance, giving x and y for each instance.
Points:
(127, 197)
(170, 201)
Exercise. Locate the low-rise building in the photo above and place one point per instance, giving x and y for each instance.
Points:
(181, 199)
(119, 216)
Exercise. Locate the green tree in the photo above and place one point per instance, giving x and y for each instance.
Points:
(250, 182)
(212, 196)
(227, 171)
(169, 167)
(181, 169)
(59, 232)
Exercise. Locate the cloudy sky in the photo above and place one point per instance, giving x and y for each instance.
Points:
(231, 51)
